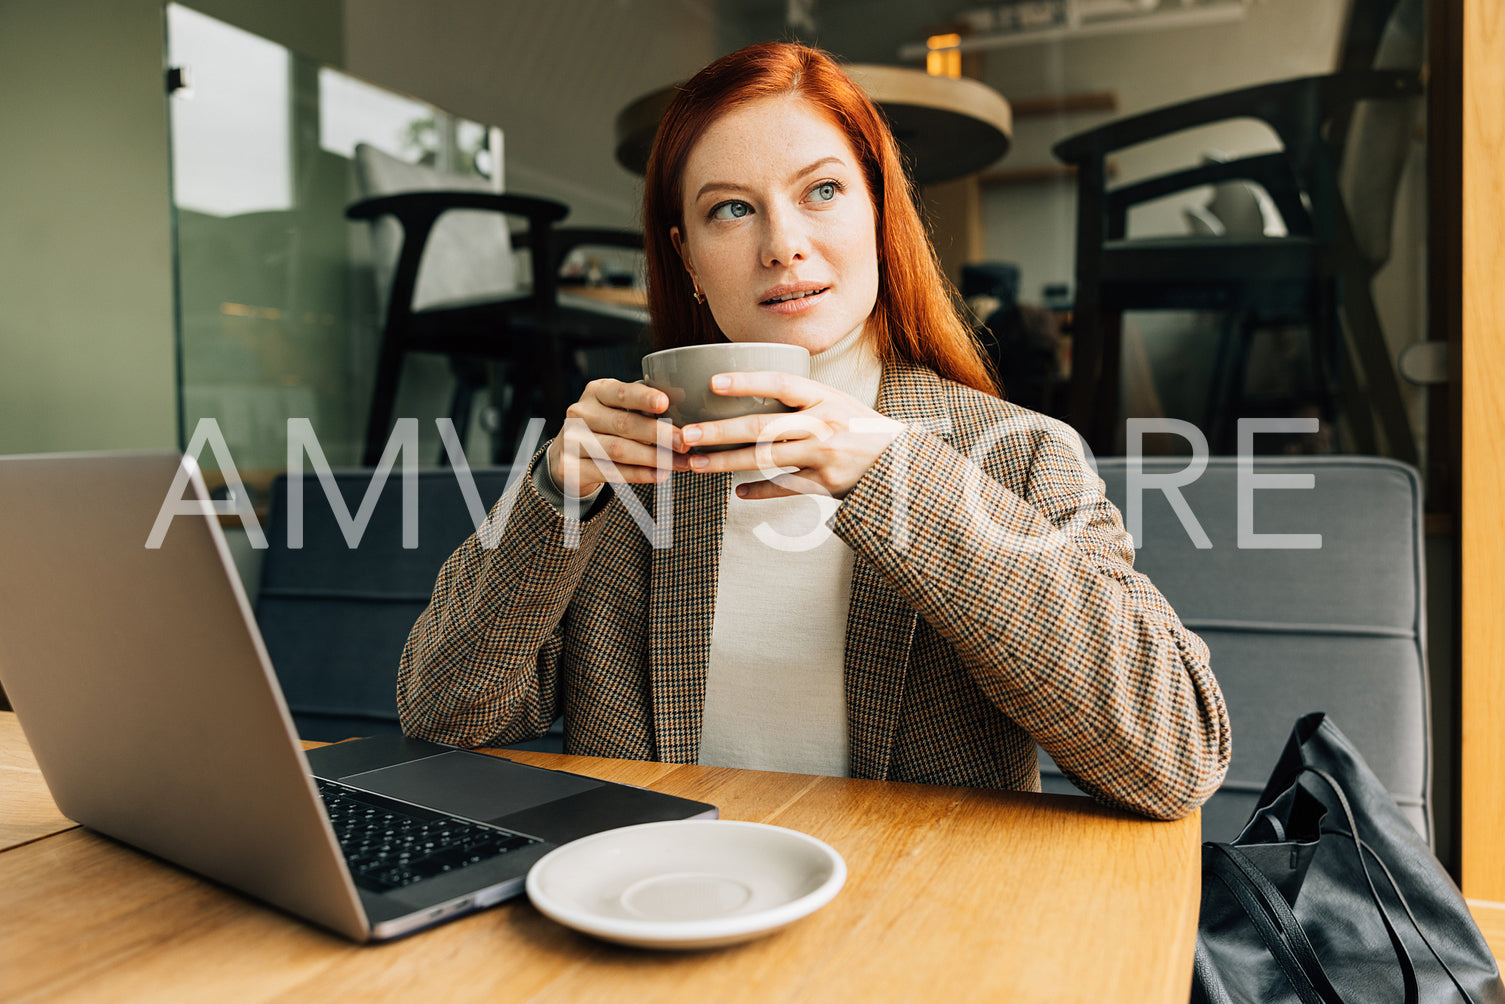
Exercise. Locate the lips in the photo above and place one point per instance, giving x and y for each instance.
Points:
(793, 297)
(785, 297)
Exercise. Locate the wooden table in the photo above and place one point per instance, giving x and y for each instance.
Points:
(947, 127)
(952, 894)
(27, 812)
(633, 297)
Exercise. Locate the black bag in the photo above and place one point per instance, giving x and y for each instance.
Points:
(1330, 895)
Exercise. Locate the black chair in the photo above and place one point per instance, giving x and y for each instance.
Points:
(1345, 137)
(335, 617)
(447, 281)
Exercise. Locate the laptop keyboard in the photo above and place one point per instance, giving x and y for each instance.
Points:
(389, 845)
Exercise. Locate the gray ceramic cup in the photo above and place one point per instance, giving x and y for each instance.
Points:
(684, 374)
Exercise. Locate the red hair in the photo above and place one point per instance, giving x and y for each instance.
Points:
(915, 318)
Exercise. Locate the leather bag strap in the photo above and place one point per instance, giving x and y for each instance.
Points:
(1271, 916)
(1408, 969)
(1395, 888)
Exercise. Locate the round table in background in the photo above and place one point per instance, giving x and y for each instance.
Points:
(947, 127)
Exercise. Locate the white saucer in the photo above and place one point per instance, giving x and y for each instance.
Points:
(694, 883)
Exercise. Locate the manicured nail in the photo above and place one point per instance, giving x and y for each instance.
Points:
(720, 382)
(700, 461)
(691, 434)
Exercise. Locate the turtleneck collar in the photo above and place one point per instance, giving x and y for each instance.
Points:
(851, 366)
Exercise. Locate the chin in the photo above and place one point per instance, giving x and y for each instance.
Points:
(814, 341)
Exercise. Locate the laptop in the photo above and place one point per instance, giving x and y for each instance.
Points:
(142, 685)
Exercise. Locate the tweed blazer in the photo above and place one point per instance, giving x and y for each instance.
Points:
(994, 606)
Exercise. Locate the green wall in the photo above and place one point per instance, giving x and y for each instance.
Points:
(87, 357)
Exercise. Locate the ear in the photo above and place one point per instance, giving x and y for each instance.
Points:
(679, 245)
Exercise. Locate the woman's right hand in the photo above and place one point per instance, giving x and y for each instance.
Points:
(614, 420)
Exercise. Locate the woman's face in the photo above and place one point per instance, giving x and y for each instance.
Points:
(779, 231)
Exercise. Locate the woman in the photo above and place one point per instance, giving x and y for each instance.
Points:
(932, 585)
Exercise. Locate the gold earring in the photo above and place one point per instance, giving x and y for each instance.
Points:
(697, 294)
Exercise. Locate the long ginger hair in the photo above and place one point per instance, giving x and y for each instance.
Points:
(915, 318)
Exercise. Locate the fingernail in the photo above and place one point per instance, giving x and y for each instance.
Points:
(700, 461)
(720, 382)
(691, 434)
(742, 491)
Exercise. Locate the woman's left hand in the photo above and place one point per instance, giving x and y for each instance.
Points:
(831, 441)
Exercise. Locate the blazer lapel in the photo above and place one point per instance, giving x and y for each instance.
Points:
(683, 604)
(880, 623)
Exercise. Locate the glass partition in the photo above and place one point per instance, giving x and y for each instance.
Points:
(277, 310)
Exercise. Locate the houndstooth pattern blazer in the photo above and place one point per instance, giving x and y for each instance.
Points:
(994, 606)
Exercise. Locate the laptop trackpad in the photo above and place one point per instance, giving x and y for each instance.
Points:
(473, 785)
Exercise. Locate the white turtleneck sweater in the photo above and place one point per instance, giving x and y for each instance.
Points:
(775, 687)
(775, 690)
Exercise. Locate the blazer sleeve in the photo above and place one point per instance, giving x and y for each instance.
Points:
(1035, 590)
(481, 665)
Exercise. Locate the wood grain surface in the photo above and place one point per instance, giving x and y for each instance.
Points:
(952, 893)
(1491, 920)
(1482, 518)
(29, 812)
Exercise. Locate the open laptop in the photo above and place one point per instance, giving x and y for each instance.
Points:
(142, 685)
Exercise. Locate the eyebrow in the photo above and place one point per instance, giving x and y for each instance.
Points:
(730, 186)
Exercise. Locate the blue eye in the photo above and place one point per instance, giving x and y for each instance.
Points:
(825, 191)
(731, 210)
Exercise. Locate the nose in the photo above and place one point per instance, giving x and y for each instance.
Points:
(784, 239)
